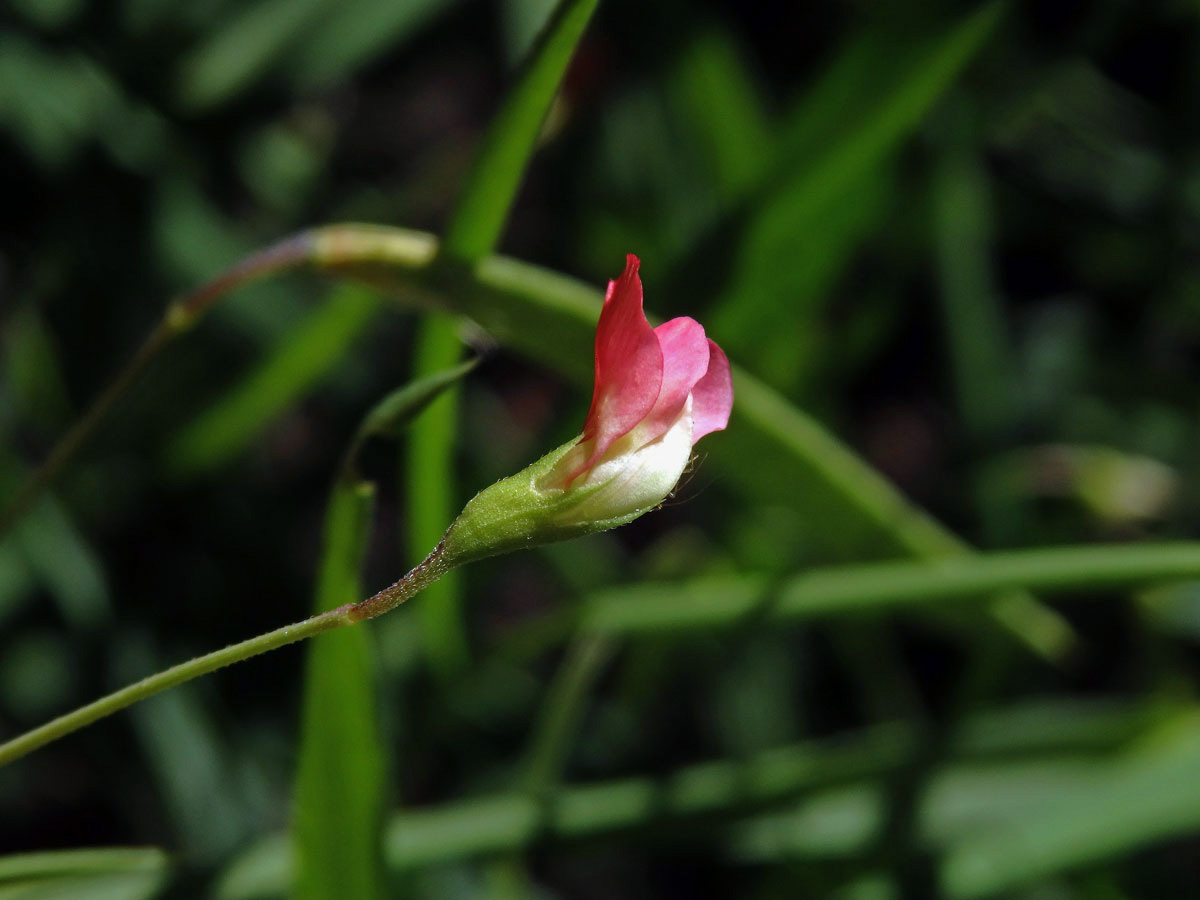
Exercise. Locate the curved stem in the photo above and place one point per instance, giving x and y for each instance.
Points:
(168, 678)
(180, 316)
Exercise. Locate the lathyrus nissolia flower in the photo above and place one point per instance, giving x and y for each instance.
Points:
(657, 391)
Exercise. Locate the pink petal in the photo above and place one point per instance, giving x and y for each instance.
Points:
(712, 397)
(685, 360)
(629, 365)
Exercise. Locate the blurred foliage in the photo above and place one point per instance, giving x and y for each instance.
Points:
(963, 238)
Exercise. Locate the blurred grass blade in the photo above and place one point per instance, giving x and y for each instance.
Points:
(304, 355)
(837, 153)
(118, 873)
(340, 778)
(48, 546)
(243, 50)
(974, 323)
(1150, 795)
(496, 174)
(348, 36)
(487, 824)
(876, 588)
(712, 83)
(91, 861)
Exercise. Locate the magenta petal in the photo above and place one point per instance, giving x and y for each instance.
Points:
(685, 360)
(629, 364)
(712, 397)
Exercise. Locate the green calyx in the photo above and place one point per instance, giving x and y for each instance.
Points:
(514, 514)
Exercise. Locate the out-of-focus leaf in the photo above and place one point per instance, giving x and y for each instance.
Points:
(304, 355)
(186, 758)
(520, 22)
(840, 144)
(979, 354)
(713, 85)
(340, 778)
(881, 587)
(349, 35)
(483, 825)
(1150, 795)
(36, 674)
(245, 48)
(94, 874)
(51, 550)
(32, 371)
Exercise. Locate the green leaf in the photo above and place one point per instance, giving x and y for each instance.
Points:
(876, 588)
(1150, 795)
(391, 415)
(432, 499)
(496, 174)
(348, 36)
(304, 355)
(117, 873)
(340, 778)
(248, 45)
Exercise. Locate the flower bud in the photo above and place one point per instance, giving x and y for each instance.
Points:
(657, 391)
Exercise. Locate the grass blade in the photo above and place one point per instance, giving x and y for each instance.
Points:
(492, 184)
(340, 778)
(300, 360)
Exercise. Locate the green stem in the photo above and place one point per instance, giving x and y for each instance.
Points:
(168, 678)
(559, 719)
(432, 568)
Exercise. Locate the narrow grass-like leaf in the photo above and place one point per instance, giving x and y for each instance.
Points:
(391, 415)
(90, 861)
(875, 588)
(496, 174)
(839, 154)
(303, 357)
(340, 777)
(432, 501)
(244, 49)
(348, 36)
(1150, 795)
(117, 873)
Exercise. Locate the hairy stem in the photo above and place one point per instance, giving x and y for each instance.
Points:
(168, 678)
(432, 568)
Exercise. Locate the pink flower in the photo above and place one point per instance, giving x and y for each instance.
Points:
(657, 392)
(668, 384)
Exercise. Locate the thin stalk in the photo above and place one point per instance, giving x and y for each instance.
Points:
(180, 316)
(168, 678)
(390, 597)
(559, 719)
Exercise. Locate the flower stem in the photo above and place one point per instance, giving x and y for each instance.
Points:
(420, 577)
(168, 678)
